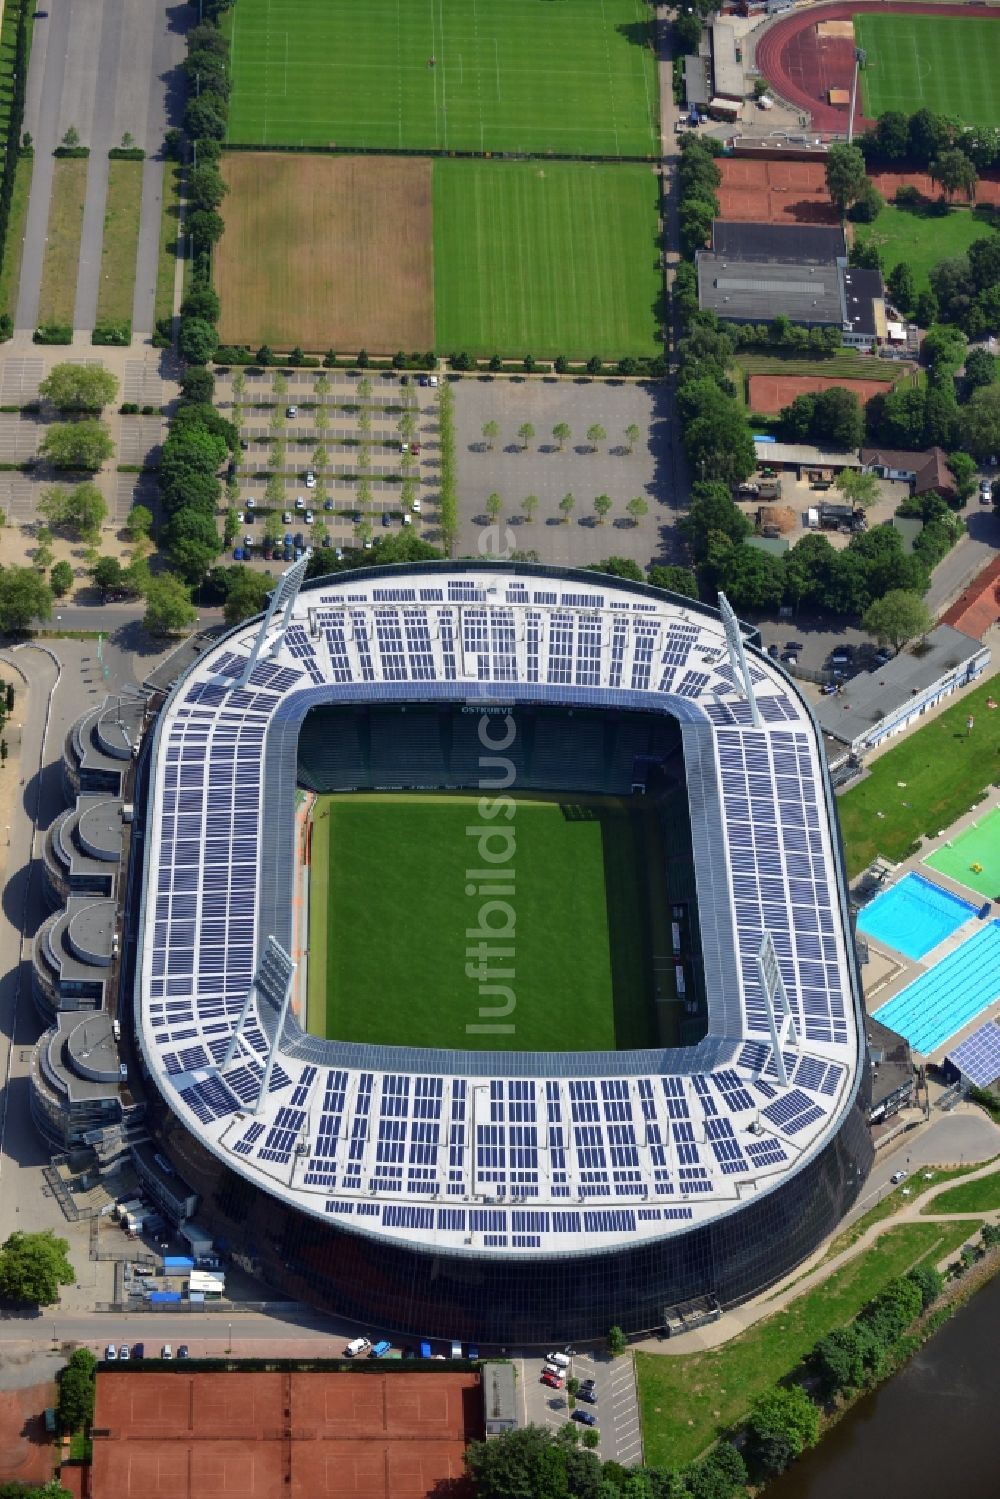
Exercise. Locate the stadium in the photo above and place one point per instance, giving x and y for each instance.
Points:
(492, 965)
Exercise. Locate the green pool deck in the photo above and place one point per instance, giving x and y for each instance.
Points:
(972, 857)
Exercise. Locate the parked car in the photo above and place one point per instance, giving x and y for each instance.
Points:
(123, 1354)
(309, 517)
(138, 1350)
(291, 411)
(184, 1351)
(310, 480)
(299, 539)
(552, 1380)
(586, 1417)
(250, 503)
(300, 503)
(111, 1354)
(286, 518)
(589, 1384)
(773, 652)
(166, 1352)
(590, 1396)
(326, 541)
(387, 520)
(289, 555)
(415, 507)
(237, 554)
(414, 448)
(356, 1347)
(286, 540)
(327, 504)
(897, 1177)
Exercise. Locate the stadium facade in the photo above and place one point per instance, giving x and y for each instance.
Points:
(496, 1196)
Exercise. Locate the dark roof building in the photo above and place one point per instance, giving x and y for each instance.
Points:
(925, 471)
(806, 243)
(864, 306)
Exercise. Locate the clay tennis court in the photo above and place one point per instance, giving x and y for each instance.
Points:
(261, 1436)
(806, 54)
(770, 394)
(326, 252)
(774, 192)
(987, 188)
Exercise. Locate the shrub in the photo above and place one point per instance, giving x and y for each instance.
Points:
(53, 333)
(119, 334)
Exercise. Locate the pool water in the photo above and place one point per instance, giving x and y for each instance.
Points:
(914, 916)
(979, 845)
(948, 996)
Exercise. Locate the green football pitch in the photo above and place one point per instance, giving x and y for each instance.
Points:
(574, 76)
(946, 64)
(546, 258)
(390, 917)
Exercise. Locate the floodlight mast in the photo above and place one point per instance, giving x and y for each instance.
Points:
(283, 598)
(738, 656)
(272, 980)
(860, 58)
(776, 999)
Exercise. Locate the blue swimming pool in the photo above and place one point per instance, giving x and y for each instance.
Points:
(949, 995)
(914, 916)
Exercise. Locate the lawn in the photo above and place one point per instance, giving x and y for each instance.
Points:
(942, 63)
(170, 212)
(10, 273)
(923, 238)
(121, 242)
(62, 252)
(492, 75)
(397, 915)
(689, 1401)
(327, 252)
(943, 771)
(546, 258)
(982, 1196)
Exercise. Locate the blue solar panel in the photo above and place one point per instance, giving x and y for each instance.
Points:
(978, 1056)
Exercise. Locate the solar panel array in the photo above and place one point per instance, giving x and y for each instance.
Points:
(508, 1163)
(978, 1056)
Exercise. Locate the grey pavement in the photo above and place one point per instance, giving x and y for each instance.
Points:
(616, 1409)
(581, 468)
(976, 549)
(105, 68)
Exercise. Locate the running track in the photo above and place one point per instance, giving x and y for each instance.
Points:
(802, 67)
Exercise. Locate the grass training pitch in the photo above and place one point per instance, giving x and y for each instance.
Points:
(494, 75)
(923, 238)
(546, 258)
(326, 252)
(942, 63)
(389, 917)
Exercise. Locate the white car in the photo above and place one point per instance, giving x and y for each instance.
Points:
(250, 503)
(897, 1177)
(310, 480)
(985, 492)
(111, 1354)
(415, 507)
(291, 411)
(300, 503)
(433, 380)
(286, 518)
(309, 517)
(166, 1352)
(407, 521)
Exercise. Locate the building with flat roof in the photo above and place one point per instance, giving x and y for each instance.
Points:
(809, 244)
(874, 705)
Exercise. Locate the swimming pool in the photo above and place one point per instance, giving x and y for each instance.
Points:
(949, 995)
(979, 845)
(914, 916)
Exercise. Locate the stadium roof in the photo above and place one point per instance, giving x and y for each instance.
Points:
(483, 1152)
(805, 243)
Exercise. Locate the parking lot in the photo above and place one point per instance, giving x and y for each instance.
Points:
(616, 1406)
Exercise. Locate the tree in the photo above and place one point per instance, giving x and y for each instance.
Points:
(846, 176)
(205, 118)
(24, 596)
(494, 505)
(750, 578)
(902, 285)
(954, 172)
(899, 616)
(169, 610)
(892, 136)
(562, 434)
(783, 1423)
(34, 1266)
(618, 567)
(566, 505)
(636, 509)
(197, 340)
(602, 505)
(929, 1282)
(859, 488)
(77, 1387)
(980, 369)
(838, 418)
(617, 1342)
(632, 435)
(206, 186)
(712, 510)
(981, 423)
(491, 431)
(61, 579)
(525, 432)
(964, 469)
(107, 574)
(76, 445)
(517, 1465)
(77, 387)
(930, 134)
(247, 596)
(198, 383)
(80, 511)
(839, 1362)
(717, 435)
(529, 505)
(675, 580)
(595, 434)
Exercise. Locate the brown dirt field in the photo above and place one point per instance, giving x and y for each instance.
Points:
(770, 191)
(770, 394)
(327, 252)
(308, 1436)
(27, 1455)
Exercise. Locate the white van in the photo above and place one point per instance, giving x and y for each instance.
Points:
(356, 1347)
(559, 1359)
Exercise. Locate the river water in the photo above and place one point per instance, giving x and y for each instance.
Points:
(931, 1431)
